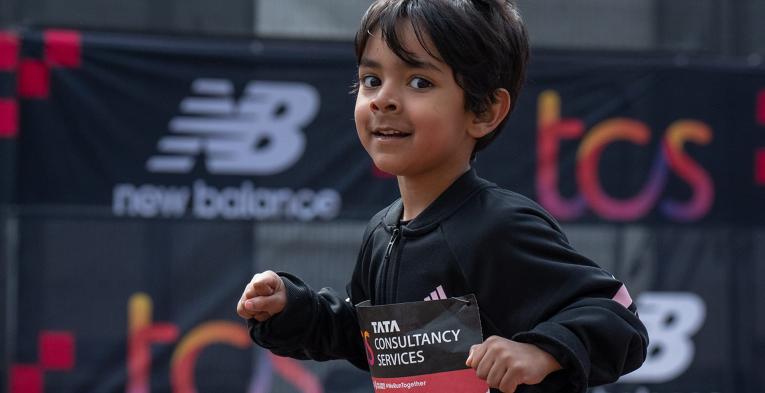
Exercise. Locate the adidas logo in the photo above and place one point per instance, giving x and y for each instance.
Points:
(437, 294)
(260, 134)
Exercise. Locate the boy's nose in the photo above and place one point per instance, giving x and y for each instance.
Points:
(384, 102)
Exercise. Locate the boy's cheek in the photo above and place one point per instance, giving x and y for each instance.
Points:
(359, 115)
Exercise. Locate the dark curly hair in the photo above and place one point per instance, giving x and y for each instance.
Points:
(483, 41)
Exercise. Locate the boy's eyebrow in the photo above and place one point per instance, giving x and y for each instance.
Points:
(415, 63)
(369, 63)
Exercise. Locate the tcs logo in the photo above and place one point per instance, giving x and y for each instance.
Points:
(671, 157)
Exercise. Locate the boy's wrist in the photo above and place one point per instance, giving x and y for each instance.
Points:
(565, 347)
(296, 313)
(547, 360)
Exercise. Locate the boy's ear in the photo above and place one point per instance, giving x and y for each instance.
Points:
(487, 121)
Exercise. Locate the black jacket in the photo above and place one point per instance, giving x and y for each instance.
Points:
(531, 285)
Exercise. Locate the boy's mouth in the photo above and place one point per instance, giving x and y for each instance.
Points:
(389, 133)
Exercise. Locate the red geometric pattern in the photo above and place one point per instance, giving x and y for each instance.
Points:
(759, 167)
(56, 351)
(34, 79)
(26, 379)
(9, 121)
(63, 48)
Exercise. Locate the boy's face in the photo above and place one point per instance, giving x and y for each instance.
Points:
(411, 119)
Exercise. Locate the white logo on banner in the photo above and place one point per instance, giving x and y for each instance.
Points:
(671, 318)
(244, 202)
(261, 134)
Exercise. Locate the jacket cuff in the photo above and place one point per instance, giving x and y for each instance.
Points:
(288, 326)
(565, 347)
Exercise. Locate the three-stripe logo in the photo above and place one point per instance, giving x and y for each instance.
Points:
(437, 294)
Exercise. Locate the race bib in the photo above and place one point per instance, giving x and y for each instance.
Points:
(421, 347)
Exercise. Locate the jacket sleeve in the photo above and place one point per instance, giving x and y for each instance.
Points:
(555, 298)
(315, 325)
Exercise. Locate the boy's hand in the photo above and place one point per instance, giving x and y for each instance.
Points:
(505, 364)
(264, 297)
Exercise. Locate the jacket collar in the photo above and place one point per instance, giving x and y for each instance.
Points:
(447, 203)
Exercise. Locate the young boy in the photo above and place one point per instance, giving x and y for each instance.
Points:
(437, 80)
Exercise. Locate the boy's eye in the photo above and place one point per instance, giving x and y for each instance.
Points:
(370, 81)
(419, 83)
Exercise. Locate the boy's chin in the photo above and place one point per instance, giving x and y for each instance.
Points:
(384, 171)
(386, 168)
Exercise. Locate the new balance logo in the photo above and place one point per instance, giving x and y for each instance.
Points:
(261, 134)
(438, 294)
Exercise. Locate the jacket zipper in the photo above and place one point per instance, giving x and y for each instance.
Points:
(386, 267)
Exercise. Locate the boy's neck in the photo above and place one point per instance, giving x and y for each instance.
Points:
(418, 192)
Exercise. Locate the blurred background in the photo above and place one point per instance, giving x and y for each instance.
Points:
(156, 154)
(719, 27)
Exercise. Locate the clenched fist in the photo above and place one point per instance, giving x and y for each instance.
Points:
(505, 364)
(263, 297)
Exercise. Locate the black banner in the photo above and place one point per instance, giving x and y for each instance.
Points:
(178, 127)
